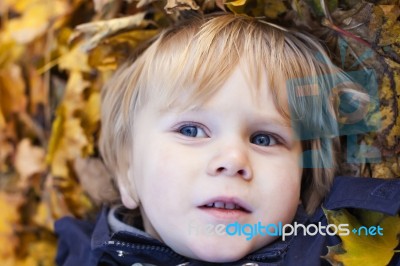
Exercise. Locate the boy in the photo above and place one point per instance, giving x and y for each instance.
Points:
(207, 129)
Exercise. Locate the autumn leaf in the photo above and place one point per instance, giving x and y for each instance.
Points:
(12, 88)
(111, 53)
(29, 160)
(56, 54)
(143, 3)
(179, 5)
(34, 20)
(100, 4)
(274, 8)
(95, 32)
(236, 3)
(10, 219)
(88, 169)
(361, 249)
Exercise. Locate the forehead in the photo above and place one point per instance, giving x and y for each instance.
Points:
(240, 95)
(185, 67)
(243, 85)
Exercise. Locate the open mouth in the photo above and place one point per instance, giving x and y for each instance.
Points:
(228, 205)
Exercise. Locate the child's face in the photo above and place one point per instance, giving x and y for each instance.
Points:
(236, 149)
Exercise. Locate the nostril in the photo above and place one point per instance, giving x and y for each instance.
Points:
(242, 172)
(220, 169)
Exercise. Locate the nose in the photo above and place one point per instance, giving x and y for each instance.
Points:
(230, 162)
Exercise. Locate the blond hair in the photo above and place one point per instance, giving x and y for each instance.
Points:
(190, 61)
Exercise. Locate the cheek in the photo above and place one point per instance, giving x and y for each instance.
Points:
(279, 182)
(163, 171)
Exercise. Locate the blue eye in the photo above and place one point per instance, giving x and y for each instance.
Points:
(192, 131)
(262, 139)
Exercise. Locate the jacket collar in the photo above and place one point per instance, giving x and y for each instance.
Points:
(111, 232)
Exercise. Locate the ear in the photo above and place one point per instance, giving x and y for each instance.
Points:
(127, 196)
(127, 190)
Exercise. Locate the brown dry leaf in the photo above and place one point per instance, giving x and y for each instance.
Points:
(40, 252)
(95, 179)
(97, 31)
(99, 4)
(143, 3)
(274, 8)
(178, 5)
(38, 95)
(390, 129)
(390, 30)
(29, 160)
(12, 91)
(67, 197)
(2, 122)
(113, 51)
(6, 151)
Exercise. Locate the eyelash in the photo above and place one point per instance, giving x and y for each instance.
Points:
(191, 124)
(278, 140)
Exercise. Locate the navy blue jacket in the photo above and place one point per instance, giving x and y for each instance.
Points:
(84, 243)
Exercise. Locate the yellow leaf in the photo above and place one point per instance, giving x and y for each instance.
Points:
(10, 51)
(68, 144)
(56, 135)
(357, 248)
(35, 19)
(91, 115)
(43, 216)
(74, 60)
(40, 252)
(73, 98)
(10, 218)
(237, 3)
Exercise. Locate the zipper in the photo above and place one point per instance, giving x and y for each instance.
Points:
(271, 255)
(128, 245)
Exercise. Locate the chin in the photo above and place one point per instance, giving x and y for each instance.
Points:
(228, 250)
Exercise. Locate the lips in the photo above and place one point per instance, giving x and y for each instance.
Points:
(227, 203)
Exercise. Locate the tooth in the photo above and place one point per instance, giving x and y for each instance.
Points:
(230, 206)
(210, 205)
(219, 204)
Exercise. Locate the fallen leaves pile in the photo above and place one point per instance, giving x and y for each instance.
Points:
(56, 54)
